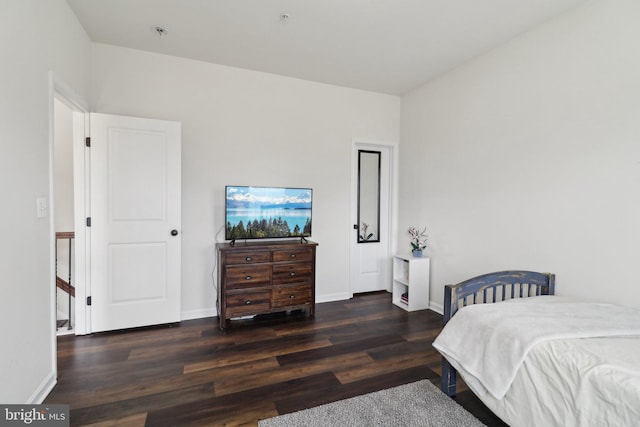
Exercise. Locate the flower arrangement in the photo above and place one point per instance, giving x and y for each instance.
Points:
(418, 239)
(365, 235)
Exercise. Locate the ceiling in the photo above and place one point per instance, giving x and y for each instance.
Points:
(387, 46)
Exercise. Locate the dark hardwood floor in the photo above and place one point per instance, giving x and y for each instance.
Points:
(193, 374)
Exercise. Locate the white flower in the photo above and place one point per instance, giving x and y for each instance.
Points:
(418, 238)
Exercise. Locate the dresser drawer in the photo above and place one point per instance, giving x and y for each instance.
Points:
(294, 254)
(291, 273)
(247, 276)
(248, 257)
(284, 296)
(242, 303)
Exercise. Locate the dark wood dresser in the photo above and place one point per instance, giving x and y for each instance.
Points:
(265, 277)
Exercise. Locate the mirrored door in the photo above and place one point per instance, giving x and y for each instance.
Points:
(370, 245)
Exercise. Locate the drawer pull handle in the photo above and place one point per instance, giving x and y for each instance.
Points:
(292, 255)
(248, 258)
(293, 273)
(247, 302)
(292, 296)
(247, 278)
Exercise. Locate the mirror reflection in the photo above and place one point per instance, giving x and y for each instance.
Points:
(368, 196)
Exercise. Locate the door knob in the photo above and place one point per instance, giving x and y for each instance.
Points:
(174, 232)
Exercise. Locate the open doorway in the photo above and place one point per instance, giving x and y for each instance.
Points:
(66, 207)
(63, 214)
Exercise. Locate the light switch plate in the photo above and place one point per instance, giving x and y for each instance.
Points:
(42, 207)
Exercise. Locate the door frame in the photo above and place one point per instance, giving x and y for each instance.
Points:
(63, 93)
(59, 90)
(364, 144)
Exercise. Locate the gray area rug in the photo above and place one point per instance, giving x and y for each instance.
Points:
(416, 404)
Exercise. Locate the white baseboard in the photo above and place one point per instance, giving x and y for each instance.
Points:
(332, 297)
(198, 314)
(43, 390)
(438, 308)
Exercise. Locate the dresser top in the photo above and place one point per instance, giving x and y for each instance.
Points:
(261, 244)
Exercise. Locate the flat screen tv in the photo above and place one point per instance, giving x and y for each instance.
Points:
(267, 212)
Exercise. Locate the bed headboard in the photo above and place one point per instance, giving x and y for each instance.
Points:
(490, 288)
(494, 287)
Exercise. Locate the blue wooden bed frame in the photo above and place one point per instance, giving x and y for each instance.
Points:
(490, 288)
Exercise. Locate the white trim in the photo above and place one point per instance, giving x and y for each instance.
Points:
(333, 297)
(392, 148)
(79, 108)
(62, 92)
(434, 306)
(43, 390)
(66, 95)
(198, 314)
(52, 242)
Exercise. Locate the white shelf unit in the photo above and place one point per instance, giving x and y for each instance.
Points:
(411, 276)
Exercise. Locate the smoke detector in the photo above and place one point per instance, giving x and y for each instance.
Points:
(159, 31)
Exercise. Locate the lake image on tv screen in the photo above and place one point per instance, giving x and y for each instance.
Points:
(262, 212)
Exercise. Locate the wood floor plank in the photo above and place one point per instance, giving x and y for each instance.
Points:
(203, 343)
(425, 334)
(118, 372)
(293, 371)
(235, 357)
(238, 370)
(213, 415)
(348, 374)
(138, 420)
(129, 407)
(161, 384)
(342, 348)
(368, 299)
(331, 324)
(106, 356)
(394, 349)
(341, 391)
(229, 409)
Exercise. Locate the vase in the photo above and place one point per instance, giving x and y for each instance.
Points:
(417, 253)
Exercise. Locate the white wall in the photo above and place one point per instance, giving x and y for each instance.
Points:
(529, 157)
(37, 36)
(242, 127)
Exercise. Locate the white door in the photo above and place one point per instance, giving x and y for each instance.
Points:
(135, 222)
(370, 238)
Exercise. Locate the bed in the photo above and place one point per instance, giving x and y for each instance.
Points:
(539, 359)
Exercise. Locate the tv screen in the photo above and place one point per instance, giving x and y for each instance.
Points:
(267, 212)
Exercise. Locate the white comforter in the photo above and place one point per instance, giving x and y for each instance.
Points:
(487, 343)
(575, 383)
